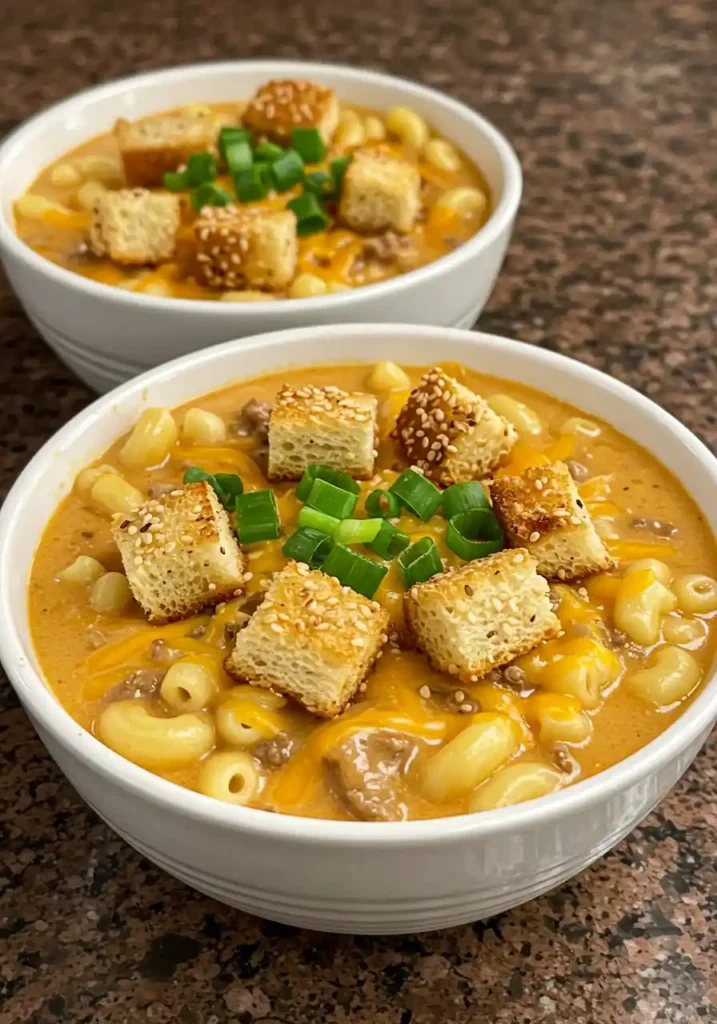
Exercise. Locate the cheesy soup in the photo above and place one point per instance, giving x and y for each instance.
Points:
(290, 194)
(375, 593)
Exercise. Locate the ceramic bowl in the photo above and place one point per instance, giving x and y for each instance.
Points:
(337, 875)
(107, 334)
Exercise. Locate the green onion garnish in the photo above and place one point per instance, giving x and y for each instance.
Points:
(268, 151)
(210, 194)
(339, 166)
(383, 504)
(287, 170)
(194, 474)
(419, 562)
(463, 497)
(230, 483)
(201, 167)
(175, 181)
(389, 541)
(317, 471)
(257, 516)
(229, 135)
(310, 214)
(332, 500)
(309, 546)
(239, 157)
(316, 520)
(417, 494)
(308, 144)
(321, 183)
(354, 570)
(474, 534)
(253, 184)
(357, 531)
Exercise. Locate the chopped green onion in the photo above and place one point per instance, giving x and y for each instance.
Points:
(268, 151)
(230, 483)
(332, 500)
(357, 531)
(308, 144)
(339, 166)
(253, 184)
(317, 471)
(354, 570)
(239, 157)
(417, 494)
(226, 491)
(316, 520)
(321, 183)
(463, 497)
(175, 181)
(383, 504)
(310, 214)
(474, 534)
(257, 516)
(419, 562)
(389, 541)
(210, 194)
(201, 167)
(287, 170)
(308, 546)
(229, 135)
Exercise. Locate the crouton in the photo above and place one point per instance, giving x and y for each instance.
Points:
(180, 553)
(135, 226)
(326, 425)
(481, 615)
(451, 433)
(380, 193)
(236, 248)
(163, 142)
(311, 639)
(279, 106)
(542, 511)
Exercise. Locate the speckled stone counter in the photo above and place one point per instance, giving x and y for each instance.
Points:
(611, 108)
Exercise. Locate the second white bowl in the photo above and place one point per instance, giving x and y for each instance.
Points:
(107, 335)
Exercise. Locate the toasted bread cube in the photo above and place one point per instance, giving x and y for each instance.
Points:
(311, 639)
(180, 553)
(135, 226)
(238, 248)
(451, 433)
(163, 142)
(541, 510)
(327, 425)
(279, 106)
(380, 193)
(481, 615)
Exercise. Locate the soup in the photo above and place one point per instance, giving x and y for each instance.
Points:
(382, 643)
(288, 195)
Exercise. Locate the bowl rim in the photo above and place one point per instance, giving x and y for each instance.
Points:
(499, 221)
(46, 710)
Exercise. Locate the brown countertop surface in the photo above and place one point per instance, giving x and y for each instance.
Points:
(611, 108)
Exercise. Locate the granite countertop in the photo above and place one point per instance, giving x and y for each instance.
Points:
(610, 106)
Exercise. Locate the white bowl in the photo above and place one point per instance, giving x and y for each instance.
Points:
(107, 334)
(336, 875)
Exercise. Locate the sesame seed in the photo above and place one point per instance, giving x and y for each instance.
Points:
(132, 530)
(534, 537)
(357, 641)
(425, 692)
(466, 709)
(459, 696)
(276, 627)
(212, 586)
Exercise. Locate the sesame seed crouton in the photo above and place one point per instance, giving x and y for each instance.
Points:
(481, 615)
(451, 433)
(236, 248)
(311, 639)
(542, 511)
(326, 425)
(180, 553)
(380, 193)
(135, 226)
(163, 142)
(280, 105)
